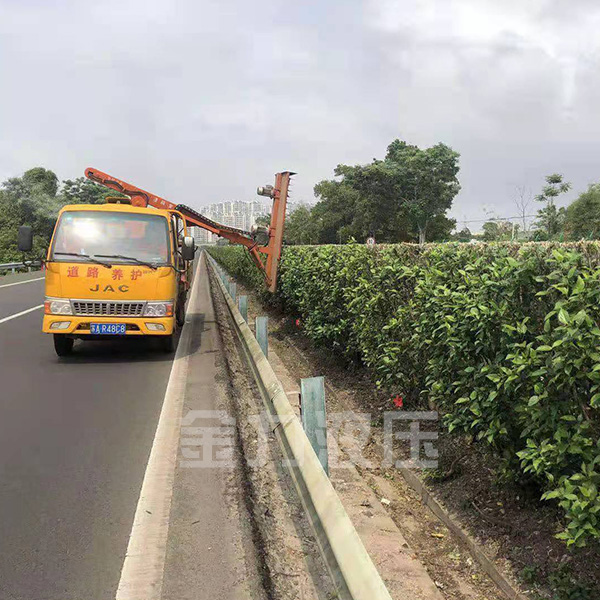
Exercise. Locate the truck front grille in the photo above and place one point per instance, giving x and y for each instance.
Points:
(82, 308)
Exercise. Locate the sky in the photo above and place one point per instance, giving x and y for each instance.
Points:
(201, 101)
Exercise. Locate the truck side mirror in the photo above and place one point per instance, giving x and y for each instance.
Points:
(25, 239)
(188, 248)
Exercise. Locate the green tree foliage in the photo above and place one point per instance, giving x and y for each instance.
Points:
(426, 182)
(338, 215)
(550, 219)
(41, 181)
(27, 200)
(403, 197)
(498, 231)
(582, 218)
(464, 235)
(84, 191)
(300, 227)
(263, 220)
(502, 338)
(35, 199)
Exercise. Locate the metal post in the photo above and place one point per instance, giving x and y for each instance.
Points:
(243, 306)
(314, 416)
(261, 326)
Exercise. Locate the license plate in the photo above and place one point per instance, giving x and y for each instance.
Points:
(108, 328)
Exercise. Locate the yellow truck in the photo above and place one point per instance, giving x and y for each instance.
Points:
(115, 270)
(124, 268)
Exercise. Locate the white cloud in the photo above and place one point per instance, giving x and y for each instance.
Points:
(201, 100)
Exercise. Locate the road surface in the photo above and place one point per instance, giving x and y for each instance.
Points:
(75, 440)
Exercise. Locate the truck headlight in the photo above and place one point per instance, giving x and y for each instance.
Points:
(159, 309)
(57, 306)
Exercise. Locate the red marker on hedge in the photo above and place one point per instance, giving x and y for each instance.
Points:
(398, 401)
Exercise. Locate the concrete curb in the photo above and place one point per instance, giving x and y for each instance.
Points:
(350, 566)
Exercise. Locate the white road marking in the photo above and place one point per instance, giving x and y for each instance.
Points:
(20, 314)
(21, 282)
(143, 568)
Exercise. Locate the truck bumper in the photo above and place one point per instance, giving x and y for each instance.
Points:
(80, 326)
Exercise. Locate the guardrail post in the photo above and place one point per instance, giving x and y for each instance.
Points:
(314, 416)
(243, 307)
(261, 327)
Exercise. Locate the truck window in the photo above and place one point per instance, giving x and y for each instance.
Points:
(141, 236)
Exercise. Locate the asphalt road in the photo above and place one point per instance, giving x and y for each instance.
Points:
(75, 437)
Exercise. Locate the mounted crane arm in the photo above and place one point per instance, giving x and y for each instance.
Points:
(256, 242)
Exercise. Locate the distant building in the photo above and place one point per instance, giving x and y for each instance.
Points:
(234, 213)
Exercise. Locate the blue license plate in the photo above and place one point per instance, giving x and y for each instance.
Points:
(108, 328)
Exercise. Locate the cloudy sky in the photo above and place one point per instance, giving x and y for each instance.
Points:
(202, 100)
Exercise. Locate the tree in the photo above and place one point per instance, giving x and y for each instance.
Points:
(582, 217)
(300, 227)
(84, 191)
(464, 235)
(403, 197)
(263, 220)
(28, 200)
(522, 199)
(338, 216)
(550, 222)
(41, 181)
(550, 218)
(35, 199)
(428, 180)
(497, 231)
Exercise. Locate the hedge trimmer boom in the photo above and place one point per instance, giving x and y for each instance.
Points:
(258, 242)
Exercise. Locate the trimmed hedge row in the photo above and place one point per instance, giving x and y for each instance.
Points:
(502, 338)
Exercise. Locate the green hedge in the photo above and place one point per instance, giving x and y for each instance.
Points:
(502, 338)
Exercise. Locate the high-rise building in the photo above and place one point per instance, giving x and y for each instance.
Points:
(235, 213)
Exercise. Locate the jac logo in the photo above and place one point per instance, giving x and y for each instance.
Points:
(109, 288)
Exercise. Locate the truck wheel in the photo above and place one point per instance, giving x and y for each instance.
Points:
(167, 343)
(180, 312)
(63, 345)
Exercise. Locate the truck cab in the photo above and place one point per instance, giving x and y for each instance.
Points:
(117, 270)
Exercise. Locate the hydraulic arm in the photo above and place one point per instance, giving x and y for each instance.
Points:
(264, 245)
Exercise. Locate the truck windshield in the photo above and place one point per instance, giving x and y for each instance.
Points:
(131, 236)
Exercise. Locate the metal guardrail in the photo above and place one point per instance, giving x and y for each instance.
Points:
(351, 568)
(19, 266)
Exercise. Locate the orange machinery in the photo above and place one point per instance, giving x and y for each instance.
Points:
(264, 245)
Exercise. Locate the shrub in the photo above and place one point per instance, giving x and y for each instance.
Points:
(502, 338)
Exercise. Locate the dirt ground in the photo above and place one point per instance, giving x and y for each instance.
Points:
(514, 528)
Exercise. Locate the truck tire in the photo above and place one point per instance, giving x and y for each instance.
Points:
(63, 345)
(180, 312)
(167, 343)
